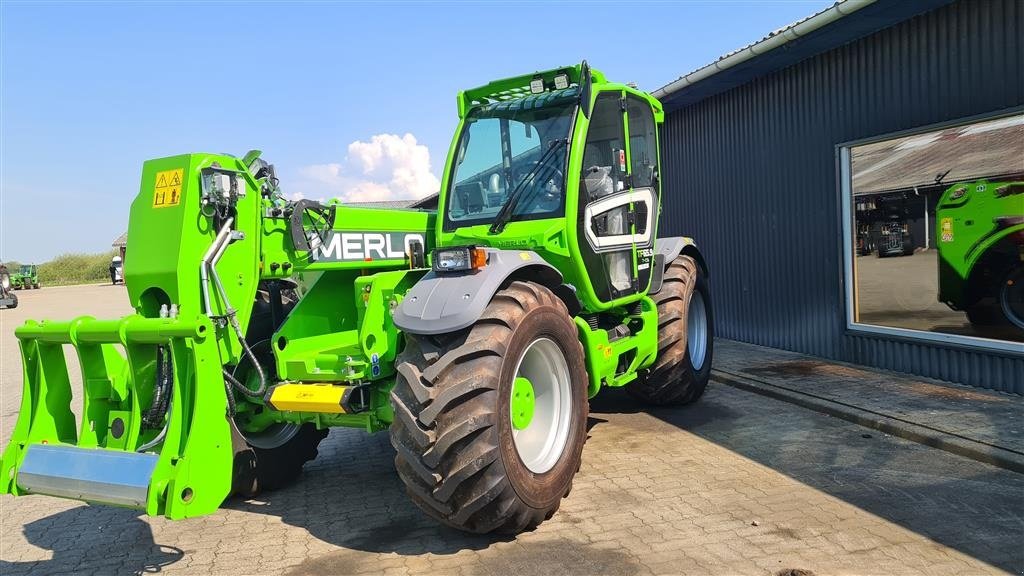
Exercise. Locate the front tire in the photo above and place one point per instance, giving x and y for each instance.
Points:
(472, 454)
(985, 314)
(278, 455)
(1011, 297)
(275, 455)
(685, 339)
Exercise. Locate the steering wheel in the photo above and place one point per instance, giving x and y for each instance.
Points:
(547, 197)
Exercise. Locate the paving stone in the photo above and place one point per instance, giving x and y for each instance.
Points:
(660, 491)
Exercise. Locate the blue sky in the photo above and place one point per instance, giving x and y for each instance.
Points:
(348, 99)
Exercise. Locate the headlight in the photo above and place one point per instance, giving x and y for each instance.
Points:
(459, 259)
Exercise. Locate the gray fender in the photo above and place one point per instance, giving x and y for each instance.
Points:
(442, 303)
(668, 249)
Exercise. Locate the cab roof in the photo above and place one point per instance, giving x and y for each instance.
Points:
(517, 89)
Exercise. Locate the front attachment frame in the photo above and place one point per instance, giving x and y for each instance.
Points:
(192, 444)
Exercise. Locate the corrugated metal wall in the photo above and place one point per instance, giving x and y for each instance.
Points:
(752, 174)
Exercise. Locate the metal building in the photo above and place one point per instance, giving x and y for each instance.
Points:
(756, 155)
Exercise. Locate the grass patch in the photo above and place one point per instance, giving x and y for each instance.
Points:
(68, 269)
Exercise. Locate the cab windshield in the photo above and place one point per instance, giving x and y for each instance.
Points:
(26, 270)
(507, 148)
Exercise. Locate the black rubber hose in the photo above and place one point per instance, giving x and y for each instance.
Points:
(229, 393)
(258, 393)
(161, 389)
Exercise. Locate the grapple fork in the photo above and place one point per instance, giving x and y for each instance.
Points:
(154, 431)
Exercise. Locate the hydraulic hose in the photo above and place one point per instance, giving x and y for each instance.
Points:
(209, 271)
(229, 393)
(160, 407)
(163, 431)
(232, 316)
(258, 393)
(161, 390)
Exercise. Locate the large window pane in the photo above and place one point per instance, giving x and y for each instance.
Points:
(938, 230)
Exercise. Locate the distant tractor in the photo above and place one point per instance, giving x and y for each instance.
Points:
(26, 278)
(8, 299)
(980, 238)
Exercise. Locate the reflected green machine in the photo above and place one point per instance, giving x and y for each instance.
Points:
(475, 333)
(980, 240)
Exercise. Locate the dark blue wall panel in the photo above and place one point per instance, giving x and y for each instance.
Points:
(752, 174)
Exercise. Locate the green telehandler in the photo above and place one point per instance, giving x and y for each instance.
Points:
(475, 334)
(27, 277)
(980, 237)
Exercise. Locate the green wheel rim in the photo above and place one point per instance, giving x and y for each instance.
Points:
(542, 440)
(522, 403)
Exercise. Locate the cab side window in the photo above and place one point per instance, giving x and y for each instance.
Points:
(602, 172)
(643, 142)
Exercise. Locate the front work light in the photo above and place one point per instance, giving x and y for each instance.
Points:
(561, 81)
(459, 259)
(958, 193)
(537, 85)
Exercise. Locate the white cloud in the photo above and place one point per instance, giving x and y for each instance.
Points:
(387, 167)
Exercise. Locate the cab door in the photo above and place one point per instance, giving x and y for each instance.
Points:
(642, 155)
(617, 196)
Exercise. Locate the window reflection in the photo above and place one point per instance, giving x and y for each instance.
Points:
(938, 226)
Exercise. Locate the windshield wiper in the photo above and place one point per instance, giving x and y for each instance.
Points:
(508, 209)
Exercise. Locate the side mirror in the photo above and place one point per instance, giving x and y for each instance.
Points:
(585, 88)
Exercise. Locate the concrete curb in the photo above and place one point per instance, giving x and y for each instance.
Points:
(949, 442)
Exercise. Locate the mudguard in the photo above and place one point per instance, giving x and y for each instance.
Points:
(668, 249)
(442, 303)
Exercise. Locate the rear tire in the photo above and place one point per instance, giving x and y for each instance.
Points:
(462, 458)
(685, 339)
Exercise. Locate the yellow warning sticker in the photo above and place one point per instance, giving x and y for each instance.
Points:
(525, 256)
(946, 230)
(167, 190)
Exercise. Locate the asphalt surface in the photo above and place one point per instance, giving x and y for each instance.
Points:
(902, 292)
(736, 484)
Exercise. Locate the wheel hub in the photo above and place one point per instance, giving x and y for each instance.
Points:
(697, 330)
(522, 403)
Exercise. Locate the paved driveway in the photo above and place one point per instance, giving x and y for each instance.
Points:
(738, 484)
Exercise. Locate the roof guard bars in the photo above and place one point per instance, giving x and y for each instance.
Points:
(519, 86)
